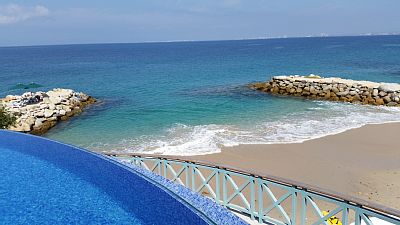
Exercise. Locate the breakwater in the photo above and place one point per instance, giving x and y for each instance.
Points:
(37, 112)
(334, 89)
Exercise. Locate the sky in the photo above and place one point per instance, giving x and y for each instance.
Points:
(46, 22)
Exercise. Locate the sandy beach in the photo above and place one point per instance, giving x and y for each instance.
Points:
(362, 162)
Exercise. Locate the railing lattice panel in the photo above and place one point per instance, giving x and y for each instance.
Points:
(263, 199)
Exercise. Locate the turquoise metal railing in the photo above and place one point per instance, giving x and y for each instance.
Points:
(266, 198)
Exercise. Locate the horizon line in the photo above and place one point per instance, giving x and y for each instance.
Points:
(211, 40)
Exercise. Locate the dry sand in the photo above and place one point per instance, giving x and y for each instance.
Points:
(363, 162)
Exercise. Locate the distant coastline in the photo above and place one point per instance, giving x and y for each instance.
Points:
(210, 40)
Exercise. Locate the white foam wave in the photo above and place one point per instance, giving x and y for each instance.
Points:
(325, 119)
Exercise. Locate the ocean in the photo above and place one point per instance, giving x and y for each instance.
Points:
(191, 98)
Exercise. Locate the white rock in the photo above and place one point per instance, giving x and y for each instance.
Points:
(389, 87)
(39, 122)
(343, 93)
(327, 87)
(382, 93)
(52, 106)
(39, 114)
(55, 100)
(46, 100)
(52, 118)
(353, 92)
(65, 102)
(25, 127)
(48, 113)
(30, 121)
(62, 112)
(31, 107)
(44, 106)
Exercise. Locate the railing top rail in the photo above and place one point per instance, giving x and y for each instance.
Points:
(288, 182)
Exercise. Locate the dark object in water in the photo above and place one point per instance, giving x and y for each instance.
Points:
(26, 86)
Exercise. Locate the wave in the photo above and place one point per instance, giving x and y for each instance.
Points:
(326, 119)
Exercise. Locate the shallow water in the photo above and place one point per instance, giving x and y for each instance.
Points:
(190, 97)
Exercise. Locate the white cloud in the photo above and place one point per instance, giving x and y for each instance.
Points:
(13, 13)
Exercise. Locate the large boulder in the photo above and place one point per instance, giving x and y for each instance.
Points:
(379, 101)
(48, 113)
(389, 87)
(55, 100)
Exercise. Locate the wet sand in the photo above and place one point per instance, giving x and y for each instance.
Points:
(362, 162)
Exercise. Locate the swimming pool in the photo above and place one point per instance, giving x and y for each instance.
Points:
(46, 182)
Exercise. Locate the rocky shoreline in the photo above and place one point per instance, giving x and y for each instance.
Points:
(333, 89)
(37, 112)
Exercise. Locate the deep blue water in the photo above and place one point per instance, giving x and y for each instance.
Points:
(44, 182)
(190, 97)
(32, 189)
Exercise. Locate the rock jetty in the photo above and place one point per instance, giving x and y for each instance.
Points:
(37, 112)
(334, 89)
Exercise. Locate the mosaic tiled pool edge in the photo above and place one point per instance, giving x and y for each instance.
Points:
(215, 212)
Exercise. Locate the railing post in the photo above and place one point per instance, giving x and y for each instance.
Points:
(224, 190)
(138, 162)
(165, 167)
(133, 161)
(294, 206)
(159, 167)
(187, 181)
(345, 215)
(217, 186)
(252, 197)
(357, 217)
(260, 201)
(303, 208)
(193, 177)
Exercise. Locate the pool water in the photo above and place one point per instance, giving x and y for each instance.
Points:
(44, 182)
(35, 190)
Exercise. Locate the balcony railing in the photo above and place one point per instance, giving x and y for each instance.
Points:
(266, 198)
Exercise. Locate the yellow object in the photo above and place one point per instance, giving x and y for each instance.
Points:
(333, 220)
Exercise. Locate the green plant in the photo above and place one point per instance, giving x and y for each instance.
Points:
(6, 119)
(312, 76)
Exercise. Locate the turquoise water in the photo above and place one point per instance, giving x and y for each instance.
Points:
(190, 97)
